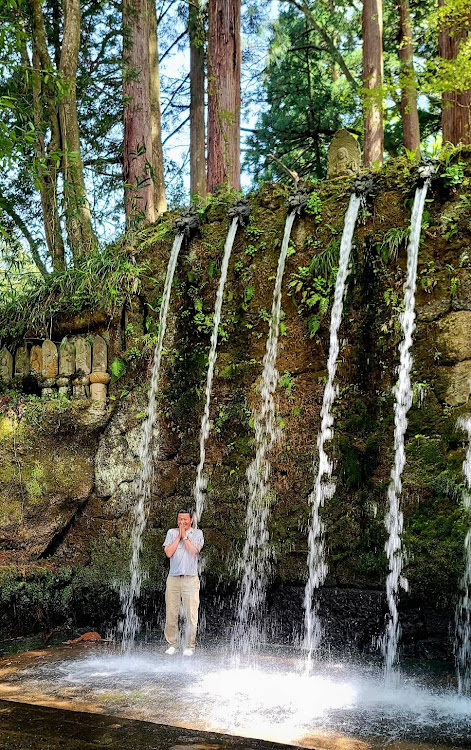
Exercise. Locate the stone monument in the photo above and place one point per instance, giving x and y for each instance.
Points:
(50, 368)
(83, 367)
(21, 362)
(6, 365)
(66, 365)
(343, 156)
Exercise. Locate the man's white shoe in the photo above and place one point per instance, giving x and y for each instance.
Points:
(171, 650)
(188, 652)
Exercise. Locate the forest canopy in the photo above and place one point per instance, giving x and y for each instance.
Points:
(113, 111)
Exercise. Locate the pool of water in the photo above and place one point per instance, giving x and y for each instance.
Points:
(271, 697)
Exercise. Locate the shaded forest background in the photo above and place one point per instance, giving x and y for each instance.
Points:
(113, 111)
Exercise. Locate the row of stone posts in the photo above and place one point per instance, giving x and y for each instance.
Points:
(78, 366)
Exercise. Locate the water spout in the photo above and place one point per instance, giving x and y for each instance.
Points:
(238, 214)
(129, 593)
(255, 560)
(324, 487)
(463, 609)
(394, 517)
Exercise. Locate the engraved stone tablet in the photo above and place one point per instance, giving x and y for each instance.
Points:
(343, 156)
(100, 354)
(36, 360)
(50, 359)
(22, 362)
(6, 365)
(83, 356)
(66, 357)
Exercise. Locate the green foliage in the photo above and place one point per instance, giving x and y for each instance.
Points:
(102, 280)
(453, 174)
(314, 206)
(393, 239)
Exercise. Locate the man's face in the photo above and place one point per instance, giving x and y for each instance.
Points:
(184, 521)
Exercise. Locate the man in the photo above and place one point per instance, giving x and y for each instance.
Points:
(182, 545)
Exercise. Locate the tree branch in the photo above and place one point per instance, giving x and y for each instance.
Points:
(7, 206)
(332, 49)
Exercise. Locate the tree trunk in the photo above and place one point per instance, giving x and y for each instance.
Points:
(456, 120)
(224, 62)
(410, 116)
(47, 154)
(160, 202)
(372, 26)
(197, 129)
(77, 210)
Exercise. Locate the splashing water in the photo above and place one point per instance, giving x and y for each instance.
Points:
(324, 488)
(256, 556)
(463, 609)
(403, 389)
(129, 593)
(200, 484)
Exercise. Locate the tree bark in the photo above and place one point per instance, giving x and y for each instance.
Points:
(456, 106)
(409, 112)
(47, 154)
(224, 64)
(144, 195)
(78, 219)
(372, 27)
(197, 126)
(160, 201)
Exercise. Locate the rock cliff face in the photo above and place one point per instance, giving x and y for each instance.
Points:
(67, 468)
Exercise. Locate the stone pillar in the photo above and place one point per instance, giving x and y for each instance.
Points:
(66, 366)
(83, 366)
(100, 355)
(99, 381)
(50, 368)
(6, 365)
(36, 361)
(21, 362)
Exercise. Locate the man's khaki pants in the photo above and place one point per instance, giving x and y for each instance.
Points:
(184, 589)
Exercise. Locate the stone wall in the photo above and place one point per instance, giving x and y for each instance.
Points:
(76, 520)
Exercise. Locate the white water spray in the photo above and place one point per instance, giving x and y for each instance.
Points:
(201, 482)
(129, 593)
(324, 488)
(403, 390)
(463, 609)
(255, 560)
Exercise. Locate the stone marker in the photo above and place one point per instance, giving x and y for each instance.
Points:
(66, 365)
(6, 365)
(100, 355)
(83, 366)
(22, 362)
(50, 366)
(36, 361)
(344, 155)
(99, 381)
(83, 356)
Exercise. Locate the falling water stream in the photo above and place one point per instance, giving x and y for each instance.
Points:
(463, 609)
(324, 488)
(129, 593)
(255, 560)
(200, 484)
(394, 516)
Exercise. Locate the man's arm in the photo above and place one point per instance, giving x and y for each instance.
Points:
(170, 549)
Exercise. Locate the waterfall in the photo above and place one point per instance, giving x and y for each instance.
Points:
(255, 559)
(403, 391)
(200, 484)
(129, 593)
(324, 488)
(463, 609)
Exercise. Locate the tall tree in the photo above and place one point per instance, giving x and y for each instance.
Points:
(77, 210)
(372, 56)
(454, 28)
(409, 111)
(144, 194)
(224, 67)
(197, 126)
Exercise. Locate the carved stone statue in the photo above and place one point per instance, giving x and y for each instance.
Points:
(343, 156)
(21, 362)
(83, 366)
